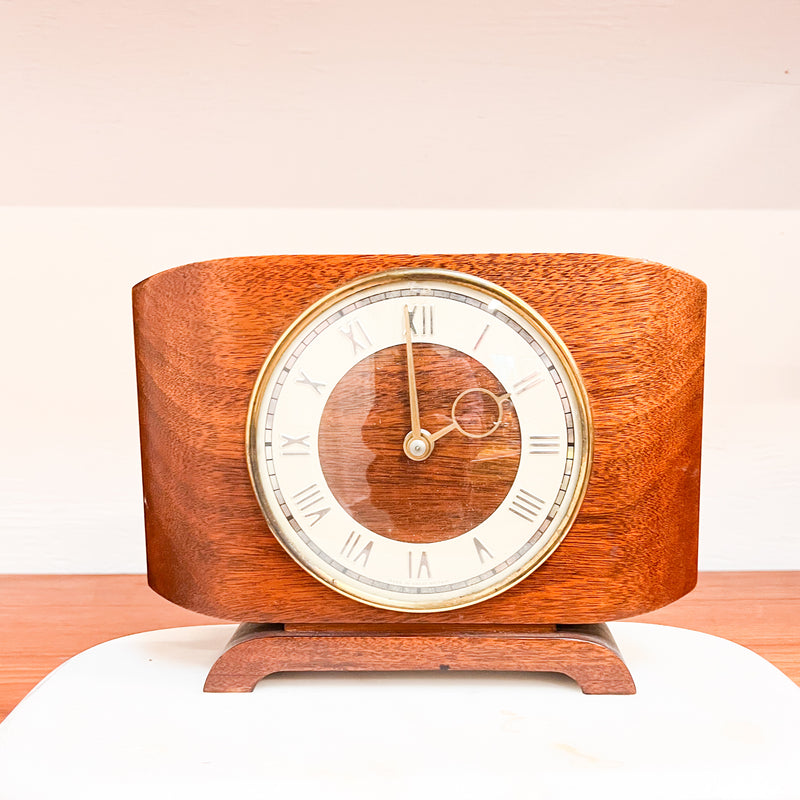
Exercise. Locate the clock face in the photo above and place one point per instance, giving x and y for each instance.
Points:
(419, 440)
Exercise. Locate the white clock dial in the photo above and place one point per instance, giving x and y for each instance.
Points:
(419, 440)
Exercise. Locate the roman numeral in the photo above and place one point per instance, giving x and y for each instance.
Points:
(295, 445)
(481, 549)
(420, 320)
(544, 445)
(315, 385)
(526, 505)
(421, 565)
(357, 336)
(528, 382)
(351, 548)
(307, 499)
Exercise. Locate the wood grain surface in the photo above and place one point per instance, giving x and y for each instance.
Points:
(371, 476)
(634, 328)
(46, 619)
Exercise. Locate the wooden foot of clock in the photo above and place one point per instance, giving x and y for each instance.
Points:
(586, 653)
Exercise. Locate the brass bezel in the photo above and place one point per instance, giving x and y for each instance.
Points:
(366, 282)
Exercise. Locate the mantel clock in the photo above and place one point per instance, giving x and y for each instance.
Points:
(421, 462)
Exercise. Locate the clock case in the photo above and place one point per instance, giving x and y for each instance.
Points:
(635, 330)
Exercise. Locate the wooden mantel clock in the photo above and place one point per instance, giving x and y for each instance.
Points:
(421, 462)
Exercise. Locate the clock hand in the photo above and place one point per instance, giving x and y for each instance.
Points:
(455, 425)
(416, 428)
(417, 444)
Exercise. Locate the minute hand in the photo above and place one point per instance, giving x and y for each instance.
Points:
(416, 428)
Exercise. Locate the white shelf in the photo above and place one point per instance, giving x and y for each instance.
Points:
(129, 719)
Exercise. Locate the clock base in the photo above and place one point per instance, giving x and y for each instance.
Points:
(586, 653)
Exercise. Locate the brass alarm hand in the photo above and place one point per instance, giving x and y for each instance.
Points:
(456, 425)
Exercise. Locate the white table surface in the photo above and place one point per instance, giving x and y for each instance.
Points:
(129, 719)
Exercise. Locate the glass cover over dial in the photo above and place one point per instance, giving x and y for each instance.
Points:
(419, 440)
